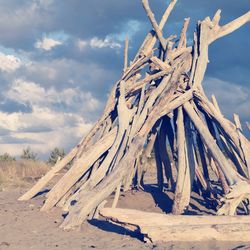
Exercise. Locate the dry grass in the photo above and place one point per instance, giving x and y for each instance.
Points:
(21, 173)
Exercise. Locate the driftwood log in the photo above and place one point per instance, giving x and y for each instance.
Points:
(158, 105)
(157, 227)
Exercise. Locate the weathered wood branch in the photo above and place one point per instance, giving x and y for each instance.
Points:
(126, 55)
(228, 127)
(81, 166)
(220, 31)
(183, 38)
(46, 178)
(230, 173)
(152, 38)
(244, 145)
(183, 184)
(154, 23)
(248, 125)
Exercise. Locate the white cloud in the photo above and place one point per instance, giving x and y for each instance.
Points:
(81, 44)
(33, 94)
(9, 63)
(232, 97)
(113, 40)
(46, 126)
(47, 43)
(26, 92)
(39, 118)
(96, 42)
(60, 132)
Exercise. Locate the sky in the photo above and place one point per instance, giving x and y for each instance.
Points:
(59, 60)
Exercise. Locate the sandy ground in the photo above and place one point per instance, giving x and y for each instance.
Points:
(23, 226)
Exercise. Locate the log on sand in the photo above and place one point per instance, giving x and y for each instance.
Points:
(157, 227)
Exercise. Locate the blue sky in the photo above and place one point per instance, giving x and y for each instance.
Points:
(59, 59)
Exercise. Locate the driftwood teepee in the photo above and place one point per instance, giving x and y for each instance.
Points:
(158, 105)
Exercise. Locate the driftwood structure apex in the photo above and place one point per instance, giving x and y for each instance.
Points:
(159, 106)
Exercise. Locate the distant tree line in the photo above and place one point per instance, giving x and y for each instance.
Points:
(7, 157)
(28, 154)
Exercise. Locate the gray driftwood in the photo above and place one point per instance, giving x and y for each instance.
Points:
(165, 110)
(157, 227)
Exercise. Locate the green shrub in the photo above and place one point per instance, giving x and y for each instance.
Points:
(28, 154)
(7, 157)
(55, 155)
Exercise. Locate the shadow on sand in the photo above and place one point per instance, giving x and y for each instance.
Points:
(109, 227)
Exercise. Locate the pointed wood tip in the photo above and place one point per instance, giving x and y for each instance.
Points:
(21, 199)
(25, 197)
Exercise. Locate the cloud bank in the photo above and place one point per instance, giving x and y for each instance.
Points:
(59, 60)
